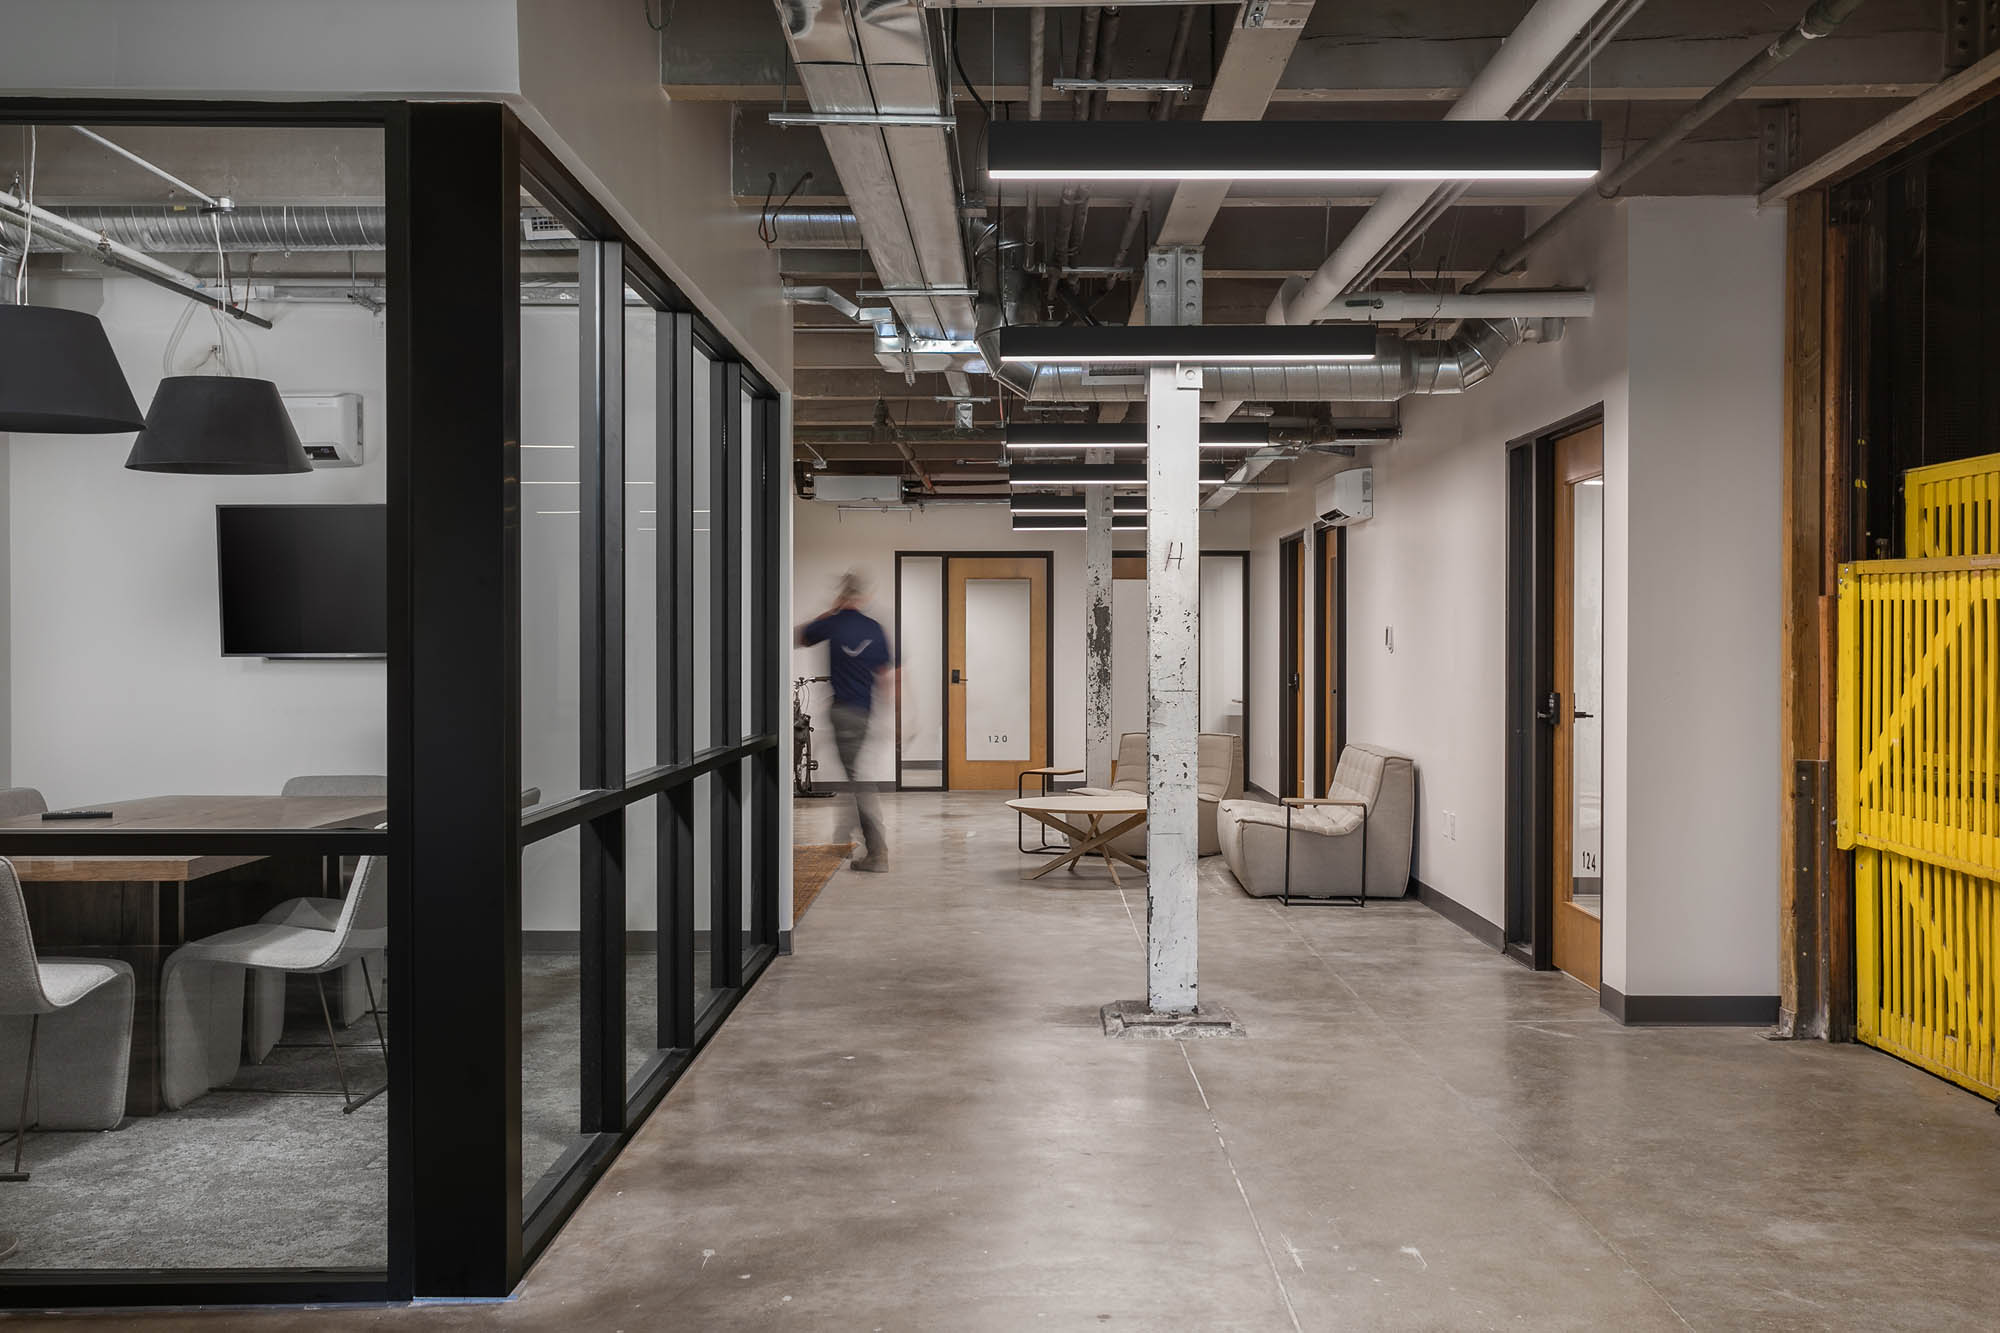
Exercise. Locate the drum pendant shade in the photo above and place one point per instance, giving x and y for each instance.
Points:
(218, 424)
(58, 375)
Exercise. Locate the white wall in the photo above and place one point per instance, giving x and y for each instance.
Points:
(829, 541)
(118, 686)
(1685, 355)
(1702, 591)
(1431, 565)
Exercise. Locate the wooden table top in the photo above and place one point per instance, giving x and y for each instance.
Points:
(185, 812)
(1120, 803)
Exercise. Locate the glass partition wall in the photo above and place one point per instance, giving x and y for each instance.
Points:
(539, 807)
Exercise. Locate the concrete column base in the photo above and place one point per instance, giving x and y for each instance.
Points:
(1131, 1018)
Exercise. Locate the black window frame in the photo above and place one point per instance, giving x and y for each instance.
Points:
(456, 1222)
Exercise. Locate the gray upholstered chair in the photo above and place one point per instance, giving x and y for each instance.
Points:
(348, 995)
(65, 1031)
(16, 801)
(1218, 778)
(201, 986)
(1358, 846)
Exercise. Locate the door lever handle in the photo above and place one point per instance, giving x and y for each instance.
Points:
(1580, 713)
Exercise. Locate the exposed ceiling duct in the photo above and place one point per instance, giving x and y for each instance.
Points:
(1401, 367)
(873, 61)
(270, 228)
(817, 229)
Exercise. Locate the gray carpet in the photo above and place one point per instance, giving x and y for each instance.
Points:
(265, 1175)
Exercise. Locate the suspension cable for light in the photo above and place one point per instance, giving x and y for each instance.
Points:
(1300, 150)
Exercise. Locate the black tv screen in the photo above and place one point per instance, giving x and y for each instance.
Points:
(303, 580)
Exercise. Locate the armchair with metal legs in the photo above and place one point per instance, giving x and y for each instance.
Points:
(203, 983)
(79, 1026)
(1359, 898)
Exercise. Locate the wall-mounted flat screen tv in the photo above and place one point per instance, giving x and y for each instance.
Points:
(303, 580)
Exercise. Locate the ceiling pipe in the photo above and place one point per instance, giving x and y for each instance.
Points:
(1073, 192)
(1537, 43)
(1038, 42)
(1392, 307)
(1599, 35)
(817, 229)
(1821, 19)
(1163, 109)
(1401, 367)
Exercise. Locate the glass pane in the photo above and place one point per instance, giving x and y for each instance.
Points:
(1222, 644)
(703, 972)
(551, 1004)
(551, 353)
(642, 932)
(920, 706)
(749, 861)
(704, 591)
(1587, 731)
(642, 538)
(996, 671)
(747, 528)
(173, 636)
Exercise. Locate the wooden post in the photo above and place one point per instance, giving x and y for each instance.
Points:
(1801, 1005)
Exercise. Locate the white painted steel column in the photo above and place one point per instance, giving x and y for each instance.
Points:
(1098, 745)
(1173, 701)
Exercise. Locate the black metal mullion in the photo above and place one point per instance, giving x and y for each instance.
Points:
(675, 628)
(455, 699)
(725, 498)
(601, 676)
(764, 710)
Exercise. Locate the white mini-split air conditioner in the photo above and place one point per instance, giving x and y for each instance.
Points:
(329, 426)
(858, 490)
(1345, 497)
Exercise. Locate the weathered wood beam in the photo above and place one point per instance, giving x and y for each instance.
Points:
(1905, 125)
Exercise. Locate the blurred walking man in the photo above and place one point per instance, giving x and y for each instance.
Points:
(857, 653)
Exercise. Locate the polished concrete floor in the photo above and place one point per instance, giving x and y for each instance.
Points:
(914, 1123)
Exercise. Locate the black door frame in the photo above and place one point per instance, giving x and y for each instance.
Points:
(1048, 559)
(1325, 672)
(1531, 497)
(455, 1221)
(1291, 687)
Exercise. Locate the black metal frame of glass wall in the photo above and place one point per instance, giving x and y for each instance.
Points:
(456, 1221)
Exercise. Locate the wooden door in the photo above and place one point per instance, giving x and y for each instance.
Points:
(1292, 750)
(1576, 707)
(996, 669)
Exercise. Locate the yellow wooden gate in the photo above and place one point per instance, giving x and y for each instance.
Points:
(1918, 768)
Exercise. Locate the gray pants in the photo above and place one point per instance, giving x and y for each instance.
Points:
(850, 733)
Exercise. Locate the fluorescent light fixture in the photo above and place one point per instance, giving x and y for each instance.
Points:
(1294, 150)
(1073, 522)
(1072, 502)
(1098, 474)
(1127, 435)
(1185, 344)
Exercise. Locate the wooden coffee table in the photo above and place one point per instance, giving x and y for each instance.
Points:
(1090, 822)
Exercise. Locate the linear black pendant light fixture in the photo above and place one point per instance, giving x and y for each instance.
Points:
(58, 375)
(1187, 344)
(1127, 436)
(1070, 502)
(1072, 522)
(1294, 150)
(1099, 474)
(218, 424)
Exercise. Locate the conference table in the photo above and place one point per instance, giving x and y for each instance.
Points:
(1082, 820)
(139, 909)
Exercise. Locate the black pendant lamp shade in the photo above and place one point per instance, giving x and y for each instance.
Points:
(218, 424)
(58, 375)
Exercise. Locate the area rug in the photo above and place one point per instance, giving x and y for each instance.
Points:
(813, 865)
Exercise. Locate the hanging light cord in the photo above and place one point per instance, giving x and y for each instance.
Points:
(28, 226)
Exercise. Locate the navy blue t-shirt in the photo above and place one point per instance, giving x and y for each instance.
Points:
(856, 649)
